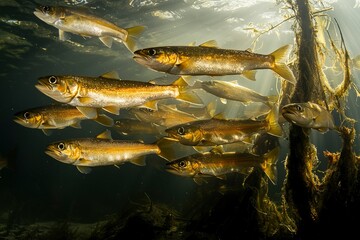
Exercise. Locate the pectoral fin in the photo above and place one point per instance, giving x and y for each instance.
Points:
(63, 36)
(107, 41)
(112, 109)
(47, 132)
(88, 112)
(84, 170)
(140, 161)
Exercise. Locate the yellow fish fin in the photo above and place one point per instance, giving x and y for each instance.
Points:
(83, 169)
(202, 149)
(220, 116)
(269, 164)
(85, 100)
(104, 120)
(112, 75)
(184, 92)
(140, 161)
(272, 120)
(167, 150)
(63, 36)
(88, 112)
(249, 74)
(280, 55)
(105, 135)
(107, 41)
(151, 105)
(210, 43)
(133, 32)
(47, 132)
(112, 109)
(199, 180)
(76, 125)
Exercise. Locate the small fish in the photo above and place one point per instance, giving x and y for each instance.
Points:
(56, 116)
(218, 131)
(308, 115)
(103, 151)
(236, 92)
(166, 116)
(208, 164)
(110, 94)
(70, 20)
(208, 59)
(127, 126)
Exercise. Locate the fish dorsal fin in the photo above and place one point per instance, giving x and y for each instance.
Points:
(105, 135)
(107, 41)
(88, 112)
(112, 75)
(180, 82)
(219, 116)
(140, 161)
(210, 43)
(83, 169)
(192, 44)
(112, 109)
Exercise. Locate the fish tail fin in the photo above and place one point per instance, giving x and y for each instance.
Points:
(281, 55)
(104, 120)
(185, 92)
(272, 118)
(269, 164)
(132, 33)
(167, 150)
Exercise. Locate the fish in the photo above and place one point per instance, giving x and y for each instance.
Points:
(85, 153)
(78, 22)
(111, 94)
(128, 126)
(236, 92)
(218, 130)
(309, 115)
(165, 116)
(214, 164)
(56, 116)
(208, 59)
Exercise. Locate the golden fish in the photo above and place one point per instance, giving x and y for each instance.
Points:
(308, 115)
(218, 131)
(165, 116)
(236, 92)
(104, 151)
(56, 117)
(215, 164)
(87, 93)
(77, 22)
(207, 59)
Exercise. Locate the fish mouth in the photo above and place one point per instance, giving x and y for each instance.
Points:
(20, 121)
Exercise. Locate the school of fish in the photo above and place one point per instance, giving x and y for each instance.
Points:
(149, 111)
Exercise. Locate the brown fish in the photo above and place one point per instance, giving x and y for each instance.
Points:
(207, 59)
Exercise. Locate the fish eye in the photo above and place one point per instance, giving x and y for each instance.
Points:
(152, 52)
(27, 115)
(182, 164)
(181, 130)
(61, 146)
(299, 108)
(52, 80)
